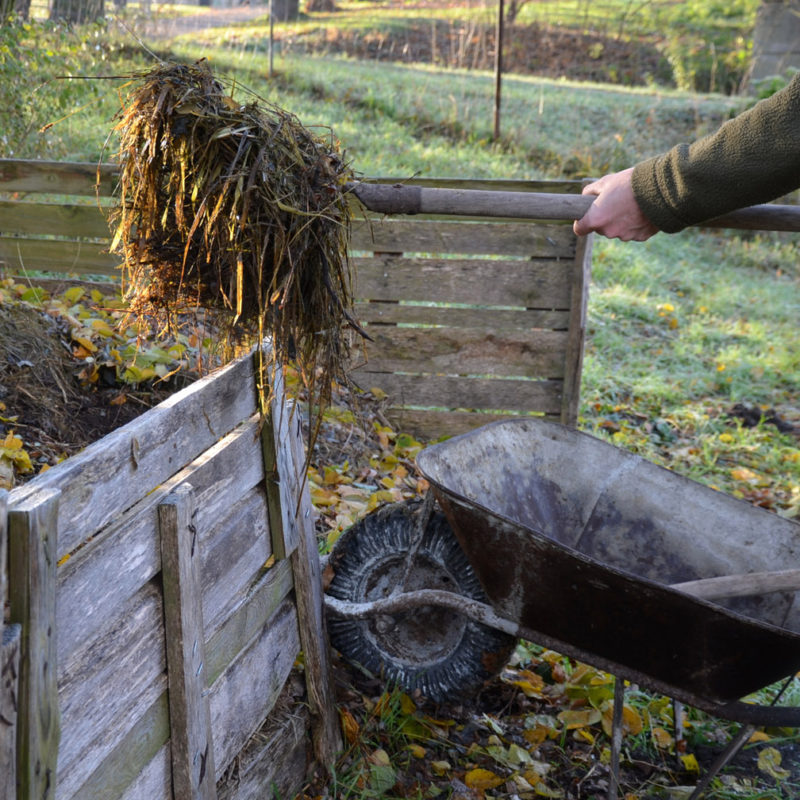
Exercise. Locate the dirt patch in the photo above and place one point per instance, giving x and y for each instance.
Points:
(43, 398)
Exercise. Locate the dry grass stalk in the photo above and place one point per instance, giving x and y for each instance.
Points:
(239, 210)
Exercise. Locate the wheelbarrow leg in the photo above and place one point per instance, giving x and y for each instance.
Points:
(616, 737)
(734, 746)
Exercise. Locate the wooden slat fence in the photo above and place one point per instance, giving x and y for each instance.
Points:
(473, 319)
(154, 627)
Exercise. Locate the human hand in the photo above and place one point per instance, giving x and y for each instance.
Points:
(615, 213)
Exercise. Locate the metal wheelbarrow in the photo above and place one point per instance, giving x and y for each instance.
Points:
(581, 547)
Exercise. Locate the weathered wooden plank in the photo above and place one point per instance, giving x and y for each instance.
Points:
(57, 255)
(580, 279)
(246, 617)
(542, 284)
(308, 592)
(54, 219)
(243, 695)
(275, 757)
(96, 582)
(280, 478)
(108, 685)
(33, 533)
(468, 394)
(128, 772)
(393, 313)
(10, 641)
(154, 781)
(193, 773)
(430, 425)
(481, 238)
(57, 177)
(110, 475)
(466, 351)
(234, 556)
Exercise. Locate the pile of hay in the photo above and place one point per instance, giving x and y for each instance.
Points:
(239, 210)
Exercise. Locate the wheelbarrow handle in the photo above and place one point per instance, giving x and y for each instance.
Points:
(385, 198)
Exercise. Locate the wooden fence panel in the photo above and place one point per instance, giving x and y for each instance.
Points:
(100, 577)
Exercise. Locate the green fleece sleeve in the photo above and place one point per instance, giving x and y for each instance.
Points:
(750, 159)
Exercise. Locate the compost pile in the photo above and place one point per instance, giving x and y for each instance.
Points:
(238, 211)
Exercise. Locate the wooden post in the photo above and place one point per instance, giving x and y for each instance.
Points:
(32, 540)
(281, 495)
(326, 733)
(9, 672)
(193, 773)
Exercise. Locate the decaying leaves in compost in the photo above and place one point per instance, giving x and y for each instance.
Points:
(239, 210)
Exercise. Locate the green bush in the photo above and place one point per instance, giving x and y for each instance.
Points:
(43, 71)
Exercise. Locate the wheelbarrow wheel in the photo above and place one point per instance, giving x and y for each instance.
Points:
(436, 651)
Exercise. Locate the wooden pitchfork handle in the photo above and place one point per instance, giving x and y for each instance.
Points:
(746, 585)
(406, 199)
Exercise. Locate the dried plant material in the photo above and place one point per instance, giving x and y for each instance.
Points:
(240, 211)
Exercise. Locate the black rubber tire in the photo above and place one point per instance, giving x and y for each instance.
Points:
(440, 653)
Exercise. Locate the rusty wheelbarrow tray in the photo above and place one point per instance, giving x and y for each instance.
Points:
(580, 544)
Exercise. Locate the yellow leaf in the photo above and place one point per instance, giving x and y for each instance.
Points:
(546, 791)
(350, 726)
(662, 738)
(584, 735)
(73, 294)
(86, 344)
(102, 327)
(379, 757)
(440, 768)
(631, 721)
(407, 705)
(743, 474)
(417, 751)
(535, 736)
(580, 718)
(769, 761)
(482, 779)
(759, 736)
(690, 762)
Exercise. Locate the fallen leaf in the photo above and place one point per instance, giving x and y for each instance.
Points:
(579, 719)
(483, 779)
(350, 726)
(769, 762)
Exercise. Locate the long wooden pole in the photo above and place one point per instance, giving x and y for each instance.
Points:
(498, 69)
(406, 199)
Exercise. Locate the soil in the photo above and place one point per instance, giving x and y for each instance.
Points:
(43, 399)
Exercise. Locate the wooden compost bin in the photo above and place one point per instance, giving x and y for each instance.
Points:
(473, 319)
(151, 647)
(161, 584)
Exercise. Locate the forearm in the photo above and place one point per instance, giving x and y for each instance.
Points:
(751, 159)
